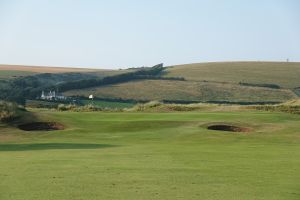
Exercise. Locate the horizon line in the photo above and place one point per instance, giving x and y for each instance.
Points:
(118, 68)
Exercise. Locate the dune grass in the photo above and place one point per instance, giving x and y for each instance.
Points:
(152, 156)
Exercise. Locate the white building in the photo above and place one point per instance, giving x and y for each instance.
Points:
(52, 95)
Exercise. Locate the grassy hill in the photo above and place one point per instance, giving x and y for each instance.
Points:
(173, 90)
(9, 74)
(18, 85)
(221, 82)
(281, 73)
(43, 69)
(15, 71)
(227, 81)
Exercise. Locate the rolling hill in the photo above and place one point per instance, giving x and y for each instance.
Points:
(230, 82)
(243, 82)
(42, 69)
(16, 71)
(172, 90)
(284, 74)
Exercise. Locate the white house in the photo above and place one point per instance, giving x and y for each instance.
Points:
(52, 95)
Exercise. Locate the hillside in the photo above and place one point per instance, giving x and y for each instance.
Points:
(228, 82)
(42, 69)
(22, 88)
(236, 82)
(284, 74)
(16, 71)
(10, 74)
(147, 90)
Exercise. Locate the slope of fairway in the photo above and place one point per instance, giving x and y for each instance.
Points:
(146, 156)
(281, 73)
(186, 91)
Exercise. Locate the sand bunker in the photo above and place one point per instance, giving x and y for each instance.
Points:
(41, 126)
(226, 127)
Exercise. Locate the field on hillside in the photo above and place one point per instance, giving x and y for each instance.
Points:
(230, 82)
(186, 91)
(281, 73)
(42, 69)
(9, 74)
(152, 156)
(243, 82)
(14, 71)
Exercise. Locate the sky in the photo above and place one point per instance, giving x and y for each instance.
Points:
(132, 33)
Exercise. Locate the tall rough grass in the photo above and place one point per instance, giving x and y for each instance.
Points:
(165, 107)
(292, 106)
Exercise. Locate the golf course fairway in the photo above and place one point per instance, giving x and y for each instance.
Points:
(168, 156)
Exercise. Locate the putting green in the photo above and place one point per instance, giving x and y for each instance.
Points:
(152, 156)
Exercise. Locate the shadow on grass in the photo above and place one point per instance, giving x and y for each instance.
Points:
(51, 146)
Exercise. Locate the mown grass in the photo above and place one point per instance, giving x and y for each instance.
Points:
(284, 74)
(186, 91)
(152, 156)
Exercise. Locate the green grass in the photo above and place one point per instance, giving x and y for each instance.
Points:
(283, 74)
(186, 91)
(152, 156)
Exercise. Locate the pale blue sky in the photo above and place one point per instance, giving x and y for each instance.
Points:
(131, 33)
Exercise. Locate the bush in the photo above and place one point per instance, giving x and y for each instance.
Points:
(267, 85)
(8, 111)
(62, 107)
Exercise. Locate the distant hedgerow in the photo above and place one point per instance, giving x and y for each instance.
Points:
(8, 111)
